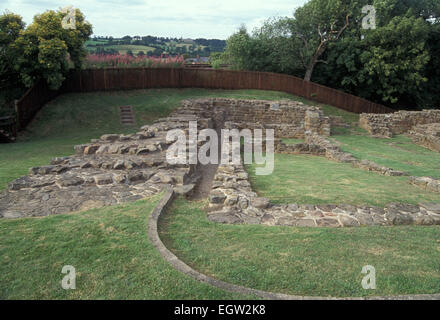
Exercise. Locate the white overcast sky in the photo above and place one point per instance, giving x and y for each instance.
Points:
(166, 18)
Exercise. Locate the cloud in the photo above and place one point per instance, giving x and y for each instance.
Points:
(170, 18)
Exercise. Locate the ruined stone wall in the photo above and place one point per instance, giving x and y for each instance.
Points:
(232, 201)
(289, 119)
(386, 125)
(427, 136)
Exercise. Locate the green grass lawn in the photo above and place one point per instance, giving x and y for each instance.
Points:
(109, 249)
(398, 152)
(114, 259)
(306, 179)
(76, 118)
(305, 261)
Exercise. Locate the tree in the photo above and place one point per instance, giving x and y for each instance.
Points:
(430, 97)
(290, 44)
(10, 27)
(396, 63)
(44, 47)
(246, 52)
(314, 27)
(394, 59)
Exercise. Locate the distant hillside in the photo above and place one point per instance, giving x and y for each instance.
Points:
(155, 46)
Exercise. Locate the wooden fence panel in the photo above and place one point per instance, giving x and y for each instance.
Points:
(140, 78)
(31, 102)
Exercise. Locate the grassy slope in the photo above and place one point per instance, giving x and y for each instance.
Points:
(398, 153)
(76, 118)
(109, 249)
(306, 261)
(315, 180)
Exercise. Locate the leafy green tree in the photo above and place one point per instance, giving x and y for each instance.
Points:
(292, 45)
(394, 59)
(246, 52)
(44, 47)
(429, 96)
(316, 25)
(394, 64)
(10, 27)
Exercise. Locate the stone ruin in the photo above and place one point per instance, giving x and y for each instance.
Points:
(122, 168)
(289, 119)
(108, 171)
(426, 135)
(387, 125)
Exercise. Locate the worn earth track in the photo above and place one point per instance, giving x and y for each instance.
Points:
(207, 172)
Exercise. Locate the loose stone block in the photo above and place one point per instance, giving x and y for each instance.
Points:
(103, 179)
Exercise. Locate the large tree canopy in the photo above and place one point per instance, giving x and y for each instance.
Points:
(395, 64)
(43, 49)
(10, 27)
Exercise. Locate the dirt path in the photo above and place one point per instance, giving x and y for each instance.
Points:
(207, 172)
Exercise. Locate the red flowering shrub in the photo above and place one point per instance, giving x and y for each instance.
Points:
(95, 61)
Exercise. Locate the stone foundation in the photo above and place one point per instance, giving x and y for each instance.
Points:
(232, 201)
(320, 146)
(426, 183)
(387, 125)
(427, 136)
(120, 168)
(108, 171)
(289, 119)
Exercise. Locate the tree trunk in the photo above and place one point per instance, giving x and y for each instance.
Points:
(309, 71)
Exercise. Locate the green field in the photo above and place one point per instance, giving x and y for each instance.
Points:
(114, 259)
(305, 261)
(398, 152)
(92, 45)
(95, 42)
(305, 179)
(126, 47)
(109, 249)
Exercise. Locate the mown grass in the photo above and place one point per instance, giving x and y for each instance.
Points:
(114, 259)
(308, 179)
(76, 118)
(109, 249)
(306, 261)
(398, 152)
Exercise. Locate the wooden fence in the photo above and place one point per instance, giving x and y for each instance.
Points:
(141, 78)
(32, 101)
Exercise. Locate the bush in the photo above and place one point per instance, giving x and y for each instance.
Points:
(95, 61)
